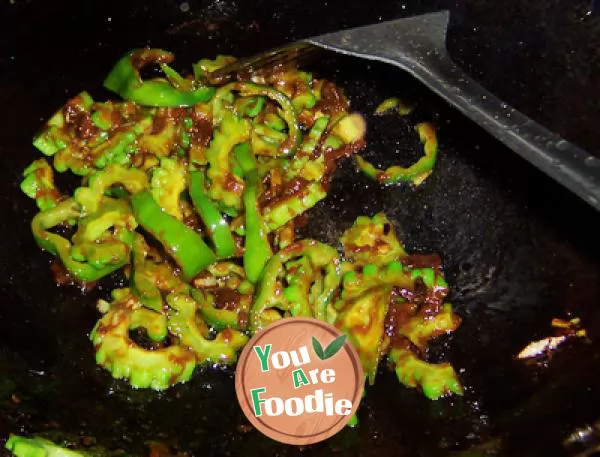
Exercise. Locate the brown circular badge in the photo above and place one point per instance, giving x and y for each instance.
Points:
(299, 381)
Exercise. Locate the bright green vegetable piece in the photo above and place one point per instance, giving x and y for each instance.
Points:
(311, 270)
(225, 187)
(21, 446)
(117, 149)
(274, 122)
(314, 286)
(387, 105)
(124, 79)
(314, 135)
(257, 249)
(307, 164)
(421, 330)
(183, 322)
(417, 173)
(332, 142)
(372, 240)
(261, 146)
(435, 380)
(205, 66)
(61, 247)
(215, 223)
(52, 138)
(132, 179)
(362, 319)
(350, 128)
(221, 319)
(304, 101)
(250, 106)
(187, 247)
(288, 112)
(104, 238)
(167, 185)
(282, 212)
(165, 141)
(151, 277)
(176, 80)
(230, 278)
(125, 359)
(267, 303)
(38, 183)
(393, 103)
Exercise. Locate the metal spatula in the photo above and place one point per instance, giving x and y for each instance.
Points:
(417, 45)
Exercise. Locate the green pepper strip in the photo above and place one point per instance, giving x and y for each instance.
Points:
(187, 247)
(124, 79)
(288, 113)
(257, 249)
(416, 173)
(262, 312)
(178, 81)
(57, 245)
(216, 225)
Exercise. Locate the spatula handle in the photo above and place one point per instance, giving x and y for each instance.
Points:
(417, 45)
(566, 163)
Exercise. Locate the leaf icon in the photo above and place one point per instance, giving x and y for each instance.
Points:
(334, 347)
(318, 348)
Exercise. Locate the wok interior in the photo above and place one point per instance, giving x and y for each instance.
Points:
(515, 247)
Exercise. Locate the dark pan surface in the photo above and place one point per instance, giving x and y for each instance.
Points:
(517, 249)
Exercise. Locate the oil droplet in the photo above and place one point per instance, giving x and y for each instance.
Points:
(562, 145)
(592, 162)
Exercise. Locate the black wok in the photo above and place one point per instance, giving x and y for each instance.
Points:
(518, 249)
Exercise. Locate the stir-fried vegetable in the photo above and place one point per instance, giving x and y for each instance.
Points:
(21, 446)
(196, 191)
(417, 172)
